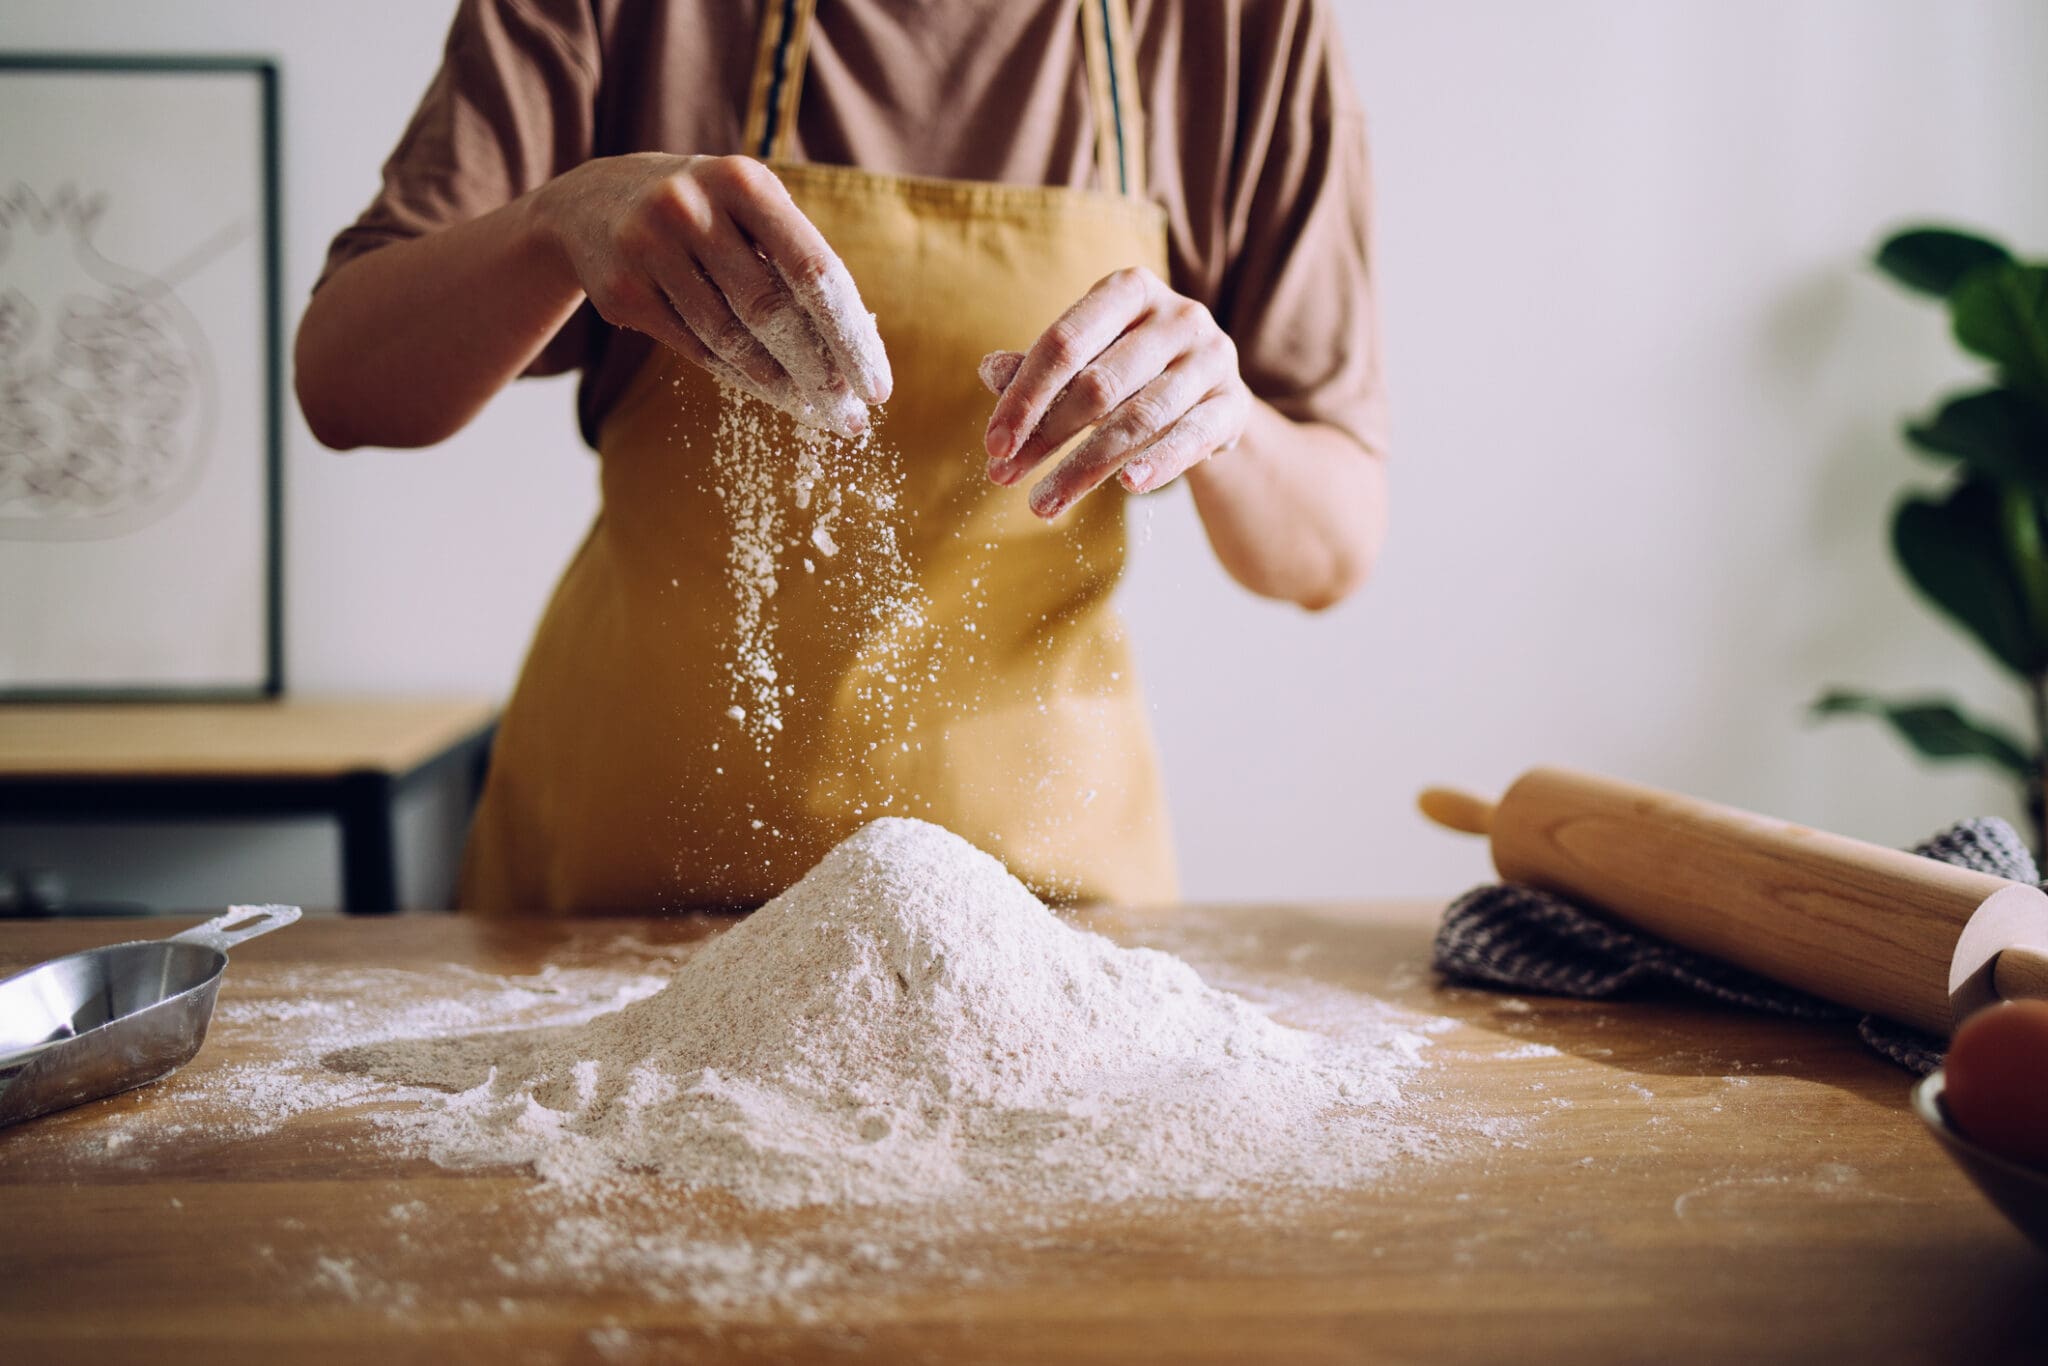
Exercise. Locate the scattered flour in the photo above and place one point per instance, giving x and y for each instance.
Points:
(908, 1068)
(909, 1024)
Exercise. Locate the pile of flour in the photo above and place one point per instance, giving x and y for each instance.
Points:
(909, 1024)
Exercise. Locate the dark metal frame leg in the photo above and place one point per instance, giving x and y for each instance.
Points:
(369, 844)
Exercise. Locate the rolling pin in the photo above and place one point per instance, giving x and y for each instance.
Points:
(1875, 929)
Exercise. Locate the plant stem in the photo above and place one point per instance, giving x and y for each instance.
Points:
(2037, 806)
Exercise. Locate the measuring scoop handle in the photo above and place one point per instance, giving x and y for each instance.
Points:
(223, 932)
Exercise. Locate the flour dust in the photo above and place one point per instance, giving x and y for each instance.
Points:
(784, 493)
(909, 1024)
(905, 1068)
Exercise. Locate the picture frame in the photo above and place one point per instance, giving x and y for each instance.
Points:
(141, 378)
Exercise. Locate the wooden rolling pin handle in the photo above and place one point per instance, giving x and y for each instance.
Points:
(2021, 975)
(1871, 928)
(1455, 810)
(1878, 930)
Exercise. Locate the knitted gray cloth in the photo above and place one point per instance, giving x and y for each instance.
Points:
(1518, 937)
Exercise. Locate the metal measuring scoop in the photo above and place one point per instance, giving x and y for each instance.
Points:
(106, 1020)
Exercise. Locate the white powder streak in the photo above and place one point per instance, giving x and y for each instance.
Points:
(784, 500)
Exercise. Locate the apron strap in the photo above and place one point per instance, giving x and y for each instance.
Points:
(1113, 80)
(779, 62)
(784, 48)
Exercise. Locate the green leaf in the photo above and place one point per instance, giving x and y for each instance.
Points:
(2001, 314)
(1995, 432)
(2021, 517)
(1954, 551)
(1936, 729)
(1935, 260)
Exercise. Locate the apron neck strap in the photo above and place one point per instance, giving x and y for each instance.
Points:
(779, 60)
(784, 50)
(1113, 83)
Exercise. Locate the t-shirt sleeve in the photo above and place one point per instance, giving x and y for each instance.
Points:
(513, 106)
(1296, 292)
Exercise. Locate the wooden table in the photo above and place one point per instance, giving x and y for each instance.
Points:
(1687, 1184)
(349, 758)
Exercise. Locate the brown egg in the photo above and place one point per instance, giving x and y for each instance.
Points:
(1997, 1080)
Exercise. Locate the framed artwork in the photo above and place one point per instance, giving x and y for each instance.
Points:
(139, 378)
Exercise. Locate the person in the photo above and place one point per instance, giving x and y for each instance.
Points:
(1105, 248)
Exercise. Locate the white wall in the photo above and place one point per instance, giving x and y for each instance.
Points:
(1645, 391)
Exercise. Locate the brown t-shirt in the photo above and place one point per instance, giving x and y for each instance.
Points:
(1255, 145)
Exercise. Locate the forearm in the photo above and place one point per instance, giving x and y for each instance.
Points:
(707, 255)
(1297, 511)
(404, 345)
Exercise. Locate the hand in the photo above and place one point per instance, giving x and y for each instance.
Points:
(710, 256)
(1149, 369)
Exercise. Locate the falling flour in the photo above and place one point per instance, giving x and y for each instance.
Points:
(908, 1024)
(783, 494)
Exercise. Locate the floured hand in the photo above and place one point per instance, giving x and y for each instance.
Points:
(1150, 370)
(710, 256)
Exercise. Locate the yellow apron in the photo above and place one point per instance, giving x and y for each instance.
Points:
(1004, 707)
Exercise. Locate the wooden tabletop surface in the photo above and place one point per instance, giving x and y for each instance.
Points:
(1672, 1183)
(295, 737)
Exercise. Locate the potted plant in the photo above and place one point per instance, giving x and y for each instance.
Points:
(1978, 549)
